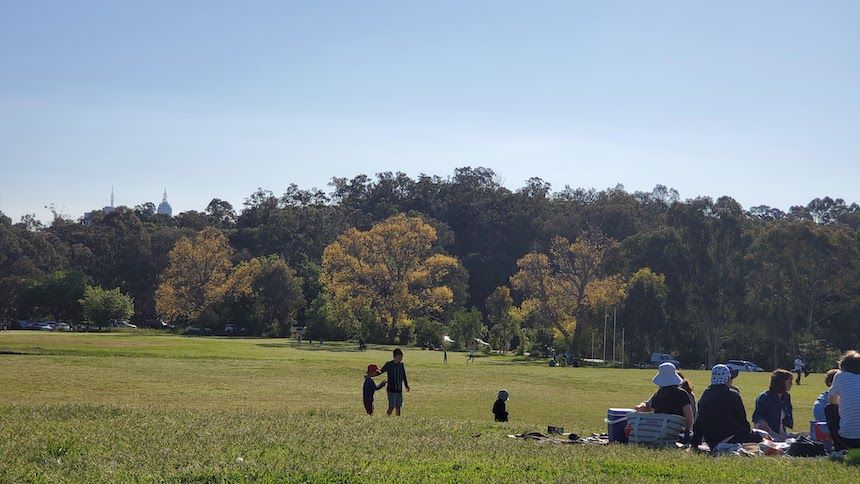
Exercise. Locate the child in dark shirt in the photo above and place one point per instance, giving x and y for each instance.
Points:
(499, 409)
(370, 387)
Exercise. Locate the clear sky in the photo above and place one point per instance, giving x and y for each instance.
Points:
(759, 100)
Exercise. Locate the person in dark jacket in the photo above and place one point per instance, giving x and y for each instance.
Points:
(396, 382)
(773, 411)
(370, 387)
(499, 409)
(721, 416)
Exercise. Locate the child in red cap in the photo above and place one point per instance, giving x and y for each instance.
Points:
(370, 387)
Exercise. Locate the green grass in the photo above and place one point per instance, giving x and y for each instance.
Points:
(129, 407)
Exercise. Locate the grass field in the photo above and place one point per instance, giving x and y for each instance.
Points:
(141, 407)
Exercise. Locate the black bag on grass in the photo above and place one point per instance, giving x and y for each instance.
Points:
(804, 447)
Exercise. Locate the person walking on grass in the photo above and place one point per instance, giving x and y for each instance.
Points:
(370, 387)
(396, 382)
(798, 367)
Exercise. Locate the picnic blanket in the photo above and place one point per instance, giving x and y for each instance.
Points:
(566, 438)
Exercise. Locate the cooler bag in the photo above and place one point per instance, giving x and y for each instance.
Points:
(654, 428)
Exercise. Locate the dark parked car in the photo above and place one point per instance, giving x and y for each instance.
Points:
(234, 330)
(197, 331)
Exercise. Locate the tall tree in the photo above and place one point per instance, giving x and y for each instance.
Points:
(393, 269)
(100, 306)
(570, 280)
(265, 293)
(58, 294)
(645, 314)
(196, 277)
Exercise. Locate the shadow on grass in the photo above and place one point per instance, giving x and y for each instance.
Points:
(313, 347)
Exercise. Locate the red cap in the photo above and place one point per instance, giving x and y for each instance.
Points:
(372, 370)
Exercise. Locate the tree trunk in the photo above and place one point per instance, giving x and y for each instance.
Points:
(811, 312)
(775, 354)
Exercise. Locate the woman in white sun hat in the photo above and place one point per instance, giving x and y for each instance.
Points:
(669, 398)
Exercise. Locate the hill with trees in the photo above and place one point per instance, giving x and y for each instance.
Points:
(397, 259)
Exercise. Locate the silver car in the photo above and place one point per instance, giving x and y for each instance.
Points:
(743, 365)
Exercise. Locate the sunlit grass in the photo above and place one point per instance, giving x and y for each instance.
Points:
(119, 407)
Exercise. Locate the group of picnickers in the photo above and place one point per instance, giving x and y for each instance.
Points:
(720, 416)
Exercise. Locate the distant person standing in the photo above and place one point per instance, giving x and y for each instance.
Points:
(444, 354)
(396, 381)
(798, 367)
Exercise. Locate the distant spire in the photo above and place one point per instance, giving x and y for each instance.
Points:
(111, 195)
(164, 207)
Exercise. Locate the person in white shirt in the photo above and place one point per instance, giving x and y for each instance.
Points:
(843, 408)
(798, 367)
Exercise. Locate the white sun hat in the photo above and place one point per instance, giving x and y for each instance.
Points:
(667, 376)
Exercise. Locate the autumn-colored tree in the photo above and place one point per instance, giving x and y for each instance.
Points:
(196, 277)
(393, 270)
(563, 285)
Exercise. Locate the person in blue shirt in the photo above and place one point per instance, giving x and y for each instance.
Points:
(773, 411)
(821, 401)
(370, 387)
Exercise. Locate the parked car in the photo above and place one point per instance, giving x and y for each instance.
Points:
(121, 324)
(743, 365)
(158, 324)
(234, 330)
(62, 327)
(197, 331)
(44, 326)
(659, 358)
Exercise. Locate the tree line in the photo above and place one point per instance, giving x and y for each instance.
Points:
(392, 258)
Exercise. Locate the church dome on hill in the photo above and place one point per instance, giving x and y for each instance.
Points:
(164, 208)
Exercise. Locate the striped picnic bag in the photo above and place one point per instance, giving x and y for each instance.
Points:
(654, 428)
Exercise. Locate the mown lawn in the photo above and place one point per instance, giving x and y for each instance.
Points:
(130, 407)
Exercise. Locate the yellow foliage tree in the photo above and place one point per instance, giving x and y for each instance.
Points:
(568, 281)
(196, 277)
(392, 270)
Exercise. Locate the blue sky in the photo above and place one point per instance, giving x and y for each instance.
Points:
(756, 100)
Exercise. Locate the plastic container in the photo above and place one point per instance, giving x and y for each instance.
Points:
(616, 421)
(821, 433)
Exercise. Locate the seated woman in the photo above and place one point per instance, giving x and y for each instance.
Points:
(773, 411)
(821, 401)
(688, 387)
(843, 408)
(721, 416)
(669, 398)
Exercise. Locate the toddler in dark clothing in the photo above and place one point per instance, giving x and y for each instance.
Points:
(370, 387)
(499, 409)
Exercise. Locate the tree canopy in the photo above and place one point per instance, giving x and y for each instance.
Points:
(390, 256)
